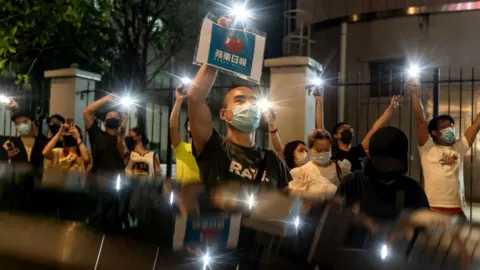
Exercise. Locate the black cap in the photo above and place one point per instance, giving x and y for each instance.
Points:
(388, 150)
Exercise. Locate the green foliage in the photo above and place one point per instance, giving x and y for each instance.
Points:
(125, 36)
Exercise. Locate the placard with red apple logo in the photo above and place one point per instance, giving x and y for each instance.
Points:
(236, 51)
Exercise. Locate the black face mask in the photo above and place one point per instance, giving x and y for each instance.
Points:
(347, 137)
(112, 123)
(130, 143)
(69, 141)
(54, 128)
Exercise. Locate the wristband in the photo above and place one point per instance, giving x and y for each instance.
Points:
(274, 131)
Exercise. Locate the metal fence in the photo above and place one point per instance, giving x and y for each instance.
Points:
(449, 91)
(35, 99)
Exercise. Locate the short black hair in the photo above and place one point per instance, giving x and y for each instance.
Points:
(289, 151)
(103, 114)
(337, 126)
(23, 113)
(318, 134)
(140, 132)
(58, 117)
(433, 124)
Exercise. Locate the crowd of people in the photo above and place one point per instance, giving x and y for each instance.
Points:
(369, 177)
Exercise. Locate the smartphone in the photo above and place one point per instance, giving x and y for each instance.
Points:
(183, 90)
(10, 146)
(317, 91)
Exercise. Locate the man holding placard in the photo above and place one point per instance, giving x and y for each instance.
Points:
(234, 158)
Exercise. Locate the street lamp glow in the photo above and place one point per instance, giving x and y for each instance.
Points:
(413, 70)
(4, 99)
(317, 82)
(240, 12)
(186, 80)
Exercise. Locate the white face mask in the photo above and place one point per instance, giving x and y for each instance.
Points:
(322, 158)
(301, 158)
(24, 129)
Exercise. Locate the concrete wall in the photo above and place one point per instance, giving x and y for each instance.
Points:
(446, 41)
(322, 10)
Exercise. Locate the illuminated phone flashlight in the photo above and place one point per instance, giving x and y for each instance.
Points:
(186, 81)
(206, 260)
(118, 183)
(296, 222)
(251, 201)
(264, 105)
(172, 198)
(4, 99)
(240, 12)
(317, 81)
(384, 252)
(413, 71)
(126, 101)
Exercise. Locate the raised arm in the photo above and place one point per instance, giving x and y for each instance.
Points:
(273, 134)
(174, 130)
(47, 151)
(419, 113)
(472, 131)
(387, 114)
(88, 112)
(198, 111)
(319, 123)
(81, 147)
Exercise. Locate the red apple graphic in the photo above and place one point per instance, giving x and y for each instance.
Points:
(233, 44)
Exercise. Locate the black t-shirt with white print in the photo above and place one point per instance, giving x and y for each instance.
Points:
(223, 161)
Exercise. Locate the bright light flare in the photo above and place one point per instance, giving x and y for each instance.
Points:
(264, 105)
(384, 252)
(186, 80)
(317, 82)
(118, 183)
(126, 101)
(413, 71)
(240, 12)
(4, 99)
(251, 201)
(172, 198)
(296, 222)
(206, 260)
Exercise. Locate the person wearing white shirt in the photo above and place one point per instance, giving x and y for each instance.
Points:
(442, 156)
(319, 178)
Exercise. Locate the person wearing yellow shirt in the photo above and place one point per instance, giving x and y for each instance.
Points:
(186, 167)
(187, 172)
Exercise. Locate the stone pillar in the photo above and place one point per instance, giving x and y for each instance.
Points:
(71, 89)
(294, 104)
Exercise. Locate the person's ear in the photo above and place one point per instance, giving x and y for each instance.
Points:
(435, 133)
(223, 114)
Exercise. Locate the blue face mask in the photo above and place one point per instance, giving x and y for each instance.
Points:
(245, 118)
(447, 135)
